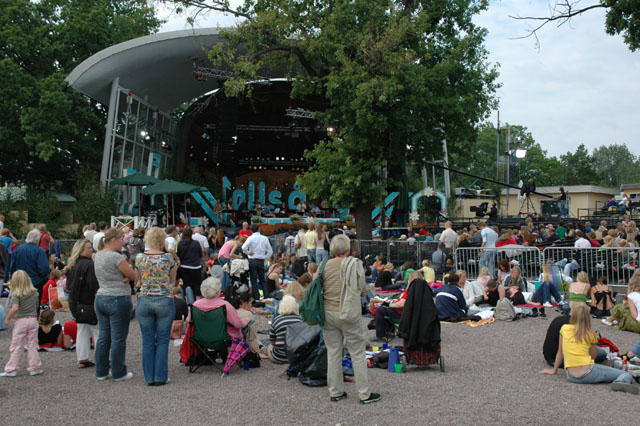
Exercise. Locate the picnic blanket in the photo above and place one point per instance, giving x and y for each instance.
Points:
(532, 305)
(473, 323)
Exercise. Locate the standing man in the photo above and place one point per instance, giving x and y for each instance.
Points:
(562, 203)
(99, 235)
(301, 245)
(449, 237)
(45, 239)
(245, 232)
(198, 235)
(258, 248)
(90, 232)
(289, 243)
(488, 251)
(171, 243)
(33, 260)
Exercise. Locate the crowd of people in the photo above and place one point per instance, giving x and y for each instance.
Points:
(165, 270)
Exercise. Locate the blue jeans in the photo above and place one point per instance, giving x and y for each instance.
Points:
(225, 275)
(321, 255)
(256, 272)
(636, 349)
(3, 316)
(114, 316)
(155, 316)
(311, 256)
(602, 374)
(568, 267)
(488, 259)
(544, 293)
(188, 295)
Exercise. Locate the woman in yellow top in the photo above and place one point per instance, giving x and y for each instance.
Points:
(577, 347)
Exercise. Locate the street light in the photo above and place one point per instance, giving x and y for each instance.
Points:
(521, 153)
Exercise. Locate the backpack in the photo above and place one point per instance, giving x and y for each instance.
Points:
(312, 304)
(504, 310)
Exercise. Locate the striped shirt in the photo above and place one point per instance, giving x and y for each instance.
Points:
(278, 333)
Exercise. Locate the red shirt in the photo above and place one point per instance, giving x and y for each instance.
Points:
(404, 296)
(45, 240)
(423, 232)
(245, 233)
(45, 291)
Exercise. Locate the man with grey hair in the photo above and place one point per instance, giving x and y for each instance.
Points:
(198, 235)
(33, 260)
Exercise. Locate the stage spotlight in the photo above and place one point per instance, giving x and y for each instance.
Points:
(205, 136)
(143, 133)
(277, 158)
(165, 145)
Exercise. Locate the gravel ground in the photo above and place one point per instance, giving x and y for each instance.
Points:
(492, 377)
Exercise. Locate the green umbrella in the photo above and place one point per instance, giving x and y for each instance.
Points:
(171, 187)
(136, 179)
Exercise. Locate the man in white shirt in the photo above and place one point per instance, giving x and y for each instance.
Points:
(488, 250)
(99, 235)
(581, 242)
(198, 235)
(170, 243)
(449, 237)
(300, 244)
(258, 248)
(289, 243)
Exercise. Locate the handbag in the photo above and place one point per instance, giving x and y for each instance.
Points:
(312, 304)
(85, 314)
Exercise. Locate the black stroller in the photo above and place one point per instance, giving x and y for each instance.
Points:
(238, 270)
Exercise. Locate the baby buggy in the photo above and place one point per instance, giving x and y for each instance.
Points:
(420, 328)
(238, 270)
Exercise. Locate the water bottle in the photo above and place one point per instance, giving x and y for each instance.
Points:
(394, 358)
(625, 365)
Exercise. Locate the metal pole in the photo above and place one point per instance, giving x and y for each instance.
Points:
(425, 181)
(447, 183)
(508, 165)
(107, 151)
(498, 148)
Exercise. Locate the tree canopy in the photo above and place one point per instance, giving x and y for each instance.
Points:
(47, 128)
(399, 78)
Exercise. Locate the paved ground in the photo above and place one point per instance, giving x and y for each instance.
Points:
(492, 378)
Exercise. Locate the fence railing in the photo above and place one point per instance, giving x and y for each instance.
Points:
(527, 258)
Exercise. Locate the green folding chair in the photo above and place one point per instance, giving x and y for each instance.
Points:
(210, 337)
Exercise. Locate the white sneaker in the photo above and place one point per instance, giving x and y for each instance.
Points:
(547, 305)
(124, 378)
(9, 374)
(605, 321)
(36, 372)
(108, 376)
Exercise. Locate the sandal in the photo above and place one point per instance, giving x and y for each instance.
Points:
(85, 364)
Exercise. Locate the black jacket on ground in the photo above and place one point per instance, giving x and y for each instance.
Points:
(419, 325)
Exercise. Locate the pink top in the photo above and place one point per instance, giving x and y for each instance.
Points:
(235, 324)
(225, 250)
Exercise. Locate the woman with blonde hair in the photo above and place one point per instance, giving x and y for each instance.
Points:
(320, 237)
(113, 306)
(428, 272)
(296, 290)
(515, 279)
(579, 290)
(82, 281)
(156, 273)
(577, 347)
(483, 276)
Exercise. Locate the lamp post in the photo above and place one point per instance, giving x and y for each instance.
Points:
(519, 153)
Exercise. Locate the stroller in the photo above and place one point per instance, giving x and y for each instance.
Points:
(238, 270)
(420, 328)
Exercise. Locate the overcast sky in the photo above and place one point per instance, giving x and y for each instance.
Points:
(580, 86)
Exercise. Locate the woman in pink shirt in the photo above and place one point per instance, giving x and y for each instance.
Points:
(211, 300)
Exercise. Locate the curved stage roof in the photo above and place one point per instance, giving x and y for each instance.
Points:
(157, 66)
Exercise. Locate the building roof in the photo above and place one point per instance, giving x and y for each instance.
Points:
(158, 67)
(575, 189)
(629, 186)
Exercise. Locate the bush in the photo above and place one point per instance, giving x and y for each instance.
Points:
(93, 203)
(256, 219)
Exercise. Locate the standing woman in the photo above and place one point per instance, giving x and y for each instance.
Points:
(190, 255)
(343, 284)
(220, 240)
(156, 271)
(81, 279)
(113, 306)
(321, 236)
(211, 239)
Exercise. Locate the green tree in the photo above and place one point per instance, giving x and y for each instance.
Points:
(615, 165)
(622, 17)
(579, 168)
(47, 128)
(398, 77)
(93, 204)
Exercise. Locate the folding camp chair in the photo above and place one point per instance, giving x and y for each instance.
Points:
(210, 337)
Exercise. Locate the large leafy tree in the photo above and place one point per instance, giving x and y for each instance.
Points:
(399, 77)
(615, 165)
(47, 129)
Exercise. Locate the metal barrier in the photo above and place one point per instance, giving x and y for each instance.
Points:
(617, 264)
(528, 258)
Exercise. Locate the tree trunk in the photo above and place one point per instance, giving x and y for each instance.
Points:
(363, 221)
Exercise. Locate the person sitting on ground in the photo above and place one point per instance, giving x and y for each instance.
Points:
(450, 300)
(181, 312)
(579, 290)
(515, 279)
(312, 269)
(245, 311)
(49, 334)
(54, 276)
(428, 272)
(514, 293)
(288, 314)
(492, 293)
(296, 290)
(577, 347)
(627, 313)
(504, 269)
(305, 279)
(550, 345)
(439, 258)
(274, 285)
(378, 266)
(384, 281)
(473, 291)
(483, 276)
(601, 299)
(392, 311)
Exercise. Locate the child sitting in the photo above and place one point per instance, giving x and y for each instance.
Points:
(54, 276)
(245, 311)
(493, 293)
(49, 334)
